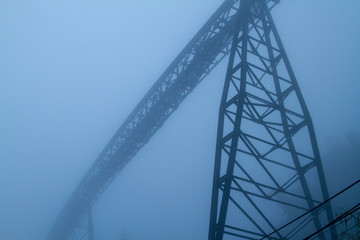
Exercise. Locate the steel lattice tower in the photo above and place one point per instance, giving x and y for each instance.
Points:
(263, 127)
(267, 159)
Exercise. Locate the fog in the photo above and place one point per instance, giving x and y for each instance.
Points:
(72, 71)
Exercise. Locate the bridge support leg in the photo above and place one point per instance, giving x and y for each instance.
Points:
(85, 231)
(90, 225)
(267, 164)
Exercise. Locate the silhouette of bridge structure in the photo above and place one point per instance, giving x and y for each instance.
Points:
(267, 157)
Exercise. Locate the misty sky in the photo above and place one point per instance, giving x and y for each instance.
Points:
(72, 70)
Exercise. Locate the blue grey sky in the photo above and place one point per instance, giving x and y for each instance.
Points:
(71, 72)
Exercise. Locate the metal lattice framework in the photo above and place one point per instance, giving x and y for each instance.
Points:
(259, 84)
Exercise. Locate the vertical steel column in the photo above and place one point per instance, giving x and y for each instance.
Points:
(239, 37)
(90, 224)
(311, 129)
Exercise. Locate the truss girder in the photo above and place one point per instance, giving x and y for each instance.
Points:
(267, 159)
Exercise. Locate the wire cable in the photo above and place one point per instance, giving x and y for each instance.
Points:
(309, 211)
(352, 210)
